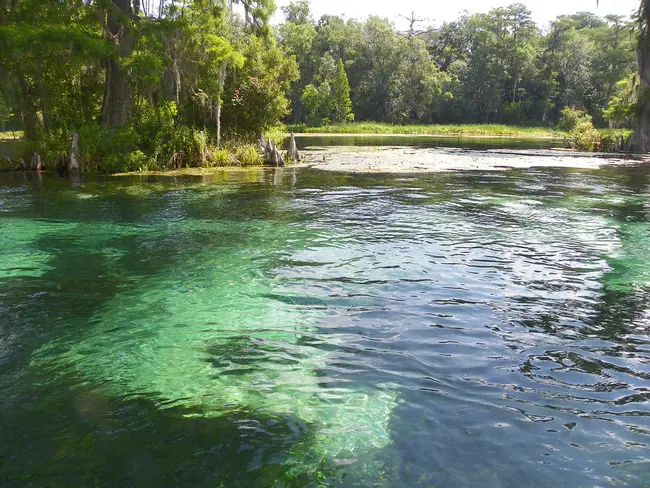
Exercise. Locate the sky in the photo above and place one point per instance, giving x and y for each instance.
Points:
(436, 11)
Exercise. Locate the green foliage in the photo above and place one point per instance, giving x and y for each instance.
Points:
(187, 147)
(329, 102)
(623, 105)
(258, 94)
(614, 140)
(497, 67)
(314, 101)
(179, 66)
(570, 118)
(586, 137)
(220, 157)
(5, 113)
(187, 73)
(247, 155)
(584, 134)
(126, 162)
(341, 103)
(580, 127)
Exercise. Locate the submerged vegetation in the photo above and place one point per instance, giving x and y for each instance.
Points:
(246, 328)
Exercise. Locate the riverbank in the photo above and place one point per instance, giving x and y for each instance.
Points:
(431, 160)
(408, 160)
(390, 156)
(10, 152)
(610, 139)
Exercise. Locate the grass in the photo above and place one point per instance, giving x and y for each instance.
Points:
(493, 130)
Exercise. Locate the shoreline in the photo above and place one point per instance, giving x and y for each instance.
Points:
(412, 159)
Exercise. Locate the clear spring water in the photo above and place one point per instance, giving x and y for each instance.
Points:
(295, 328)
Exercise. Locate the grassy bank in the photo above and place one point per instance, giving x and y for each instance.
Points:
(608, 140)
(493, 130)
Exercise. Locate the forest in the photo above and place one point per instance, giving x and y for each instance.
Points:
(138, 84)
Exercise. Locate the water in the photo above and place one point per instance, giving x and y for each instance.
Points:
(477, 142)
(295, 328)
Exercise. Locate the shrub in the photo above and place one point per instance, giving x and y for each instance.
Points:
(585, 136)
(570, 117)
(126, 163)
(220, 157)
(615, 140)
(187, 147)
(247, 155)
(106, 150)
(581, 129)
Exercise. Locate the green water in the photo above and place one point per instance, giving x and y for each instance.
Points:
(294, 328)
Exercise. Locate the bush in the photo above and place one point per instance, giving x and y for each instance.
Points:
(247, 155)
(581, 129)
(187, 147)
(615, 140)
(126, 163)
(221, 157)
(154, 141)
(585, 136)
(570, 117)
(107, 150)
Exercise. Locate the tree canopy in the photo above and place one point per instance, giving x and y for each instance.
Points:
(495, 67)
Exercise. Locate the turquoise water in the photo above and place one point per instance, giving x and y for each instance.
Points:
(291, 328)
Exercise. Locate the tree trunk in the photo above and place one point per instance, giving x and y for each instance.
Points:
(217, 111)
(73, 164)
(35, 162)
(640, 141)
(28, 110)
(217, 119)
(117, 108)
(44, 105)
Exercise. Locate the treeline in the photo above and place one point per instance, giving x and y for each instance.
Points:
(498, 67)
(168, 83)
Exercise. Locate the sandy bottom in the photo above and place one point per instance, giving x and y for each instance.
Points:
(423, 160)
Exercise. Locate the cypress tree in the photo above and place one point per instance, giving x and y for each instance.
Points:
(341, 103)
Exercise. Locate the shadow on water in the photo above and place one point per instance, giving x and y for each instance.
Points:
(82, 435)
